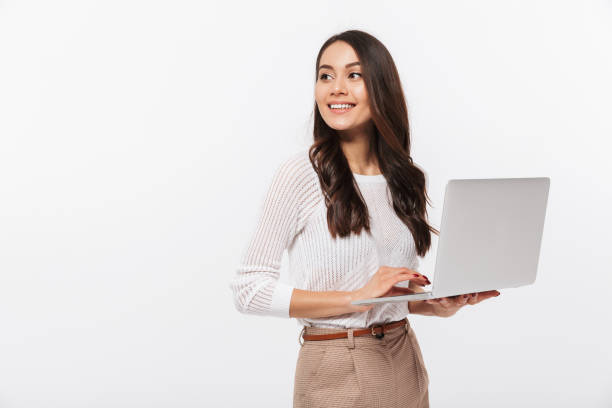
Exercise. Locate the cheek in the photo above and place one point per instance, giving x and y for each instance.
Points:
(319, 98)
(321, 107)
(364, 105)
(361, 94)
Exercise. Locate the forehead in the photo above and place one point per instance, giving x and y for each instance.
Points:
(338, 54)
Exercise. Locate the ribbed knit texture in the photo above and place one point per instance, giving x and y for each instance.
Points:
(293, 217)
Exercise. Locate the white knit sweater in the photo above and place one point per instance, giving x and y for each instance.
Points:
(293, 216)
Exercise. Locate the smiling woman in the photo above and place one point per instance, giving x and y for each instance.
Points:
(359, 99)
(351, 211)
(333, 80)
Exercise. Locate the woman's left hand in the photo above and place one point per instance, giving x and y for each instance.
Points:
(448, 306)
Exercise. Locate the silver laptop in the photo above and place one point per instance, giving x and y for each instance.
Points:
(490, 237)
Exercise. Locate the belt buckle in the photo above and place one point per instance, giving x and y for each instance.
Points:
(382, 332)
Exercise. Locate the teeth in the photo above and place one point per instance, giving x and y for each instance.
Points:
(342, 106)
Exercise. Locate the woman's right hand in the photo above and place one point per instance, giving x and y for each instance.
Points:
(382, 283)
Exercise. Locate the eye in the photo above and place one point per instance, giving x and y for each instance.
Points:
(324, 75)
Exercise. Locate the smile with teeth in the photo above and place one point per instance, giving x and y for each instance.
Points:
(343, 107)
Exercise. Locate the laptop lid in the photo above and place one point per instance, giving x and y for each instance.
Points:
(490, 234)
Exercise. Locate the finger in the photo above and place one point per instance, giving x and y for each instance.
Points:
(402, 277)
(398, 291)
(420, 279)
(445, 302)
(472, 298)
(461, 300)
(391, 271)
(452, 299)
(486, 295)
(416, 274)
(404, 288)
(416, 278)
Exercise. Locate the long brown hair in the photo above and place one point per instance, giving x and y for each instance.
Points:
(346, 209)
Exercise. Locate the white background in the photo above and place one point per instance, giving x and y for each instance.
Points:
(137, 140)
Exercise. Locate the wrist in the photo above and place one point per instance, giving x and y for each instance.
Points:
(348, 298)
(418, 307)
(422, 307)
(354, 295)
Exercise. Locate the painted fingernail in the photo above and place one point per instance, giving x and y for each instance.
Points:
(415, 274)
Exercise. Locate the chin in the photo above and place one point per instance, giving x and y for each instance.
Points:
(340, 127)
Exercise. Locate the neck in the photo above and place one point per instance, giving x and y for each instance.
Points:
(356, 144)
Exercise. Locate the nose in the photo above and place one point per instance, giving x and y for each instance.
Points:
(339, 86)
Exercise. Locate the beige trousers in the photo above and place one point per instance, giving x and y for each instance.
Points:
(361, 371)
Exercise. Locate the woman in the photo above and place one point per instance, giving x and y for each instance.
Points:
(352, 213)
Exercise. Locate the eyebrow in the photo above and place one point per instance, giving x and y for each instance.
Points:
(346, 66)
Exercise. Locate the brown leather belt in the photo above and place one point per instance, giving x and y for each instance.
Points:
(378, 331)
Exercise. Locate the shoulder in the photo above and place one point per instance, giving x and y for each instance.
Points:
(298, 159)
(297, 181)
(295, 169)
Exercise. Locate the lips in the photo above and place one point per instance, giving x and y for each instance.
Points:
(340, 103)
(342, 110)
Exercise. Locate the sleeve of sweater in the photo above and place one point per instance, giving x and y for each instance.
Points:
(256, 286)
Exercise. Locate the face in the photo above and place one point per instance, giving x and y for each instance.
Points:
(339, 81)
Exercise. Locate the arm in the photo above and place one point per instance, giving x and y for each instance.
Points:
(321, 304)
(256, 287)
